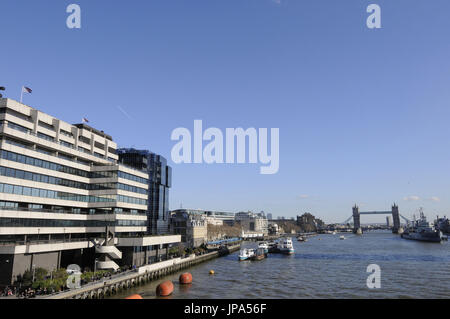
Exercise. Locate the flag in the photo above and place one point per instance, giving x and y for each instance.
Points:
(26, 90)
(85, 120)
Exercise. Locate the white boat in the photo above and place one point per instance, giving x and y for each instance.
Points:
(285, 246)
(342, 237)
(264, 246)
(246, 253)
(334, 233)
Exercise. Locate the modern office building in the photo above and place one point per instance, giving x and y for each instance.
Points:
(160, 180)
(65, 198)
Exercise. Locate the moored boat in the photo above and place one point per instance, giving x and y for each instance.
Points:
(285, 246)
(264, 246)
(246, 254)
(422, 230)
(259, 254)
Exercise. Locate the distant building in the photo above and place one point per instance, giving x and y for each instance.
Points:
(192, 224)
(274, 229)
(192, 227)
(269, 216)
(212, 217)
(388, 221)
(252, 223)
(308, 222)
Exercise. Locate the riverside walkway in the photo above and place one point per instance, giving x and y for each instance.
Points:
(142, 275)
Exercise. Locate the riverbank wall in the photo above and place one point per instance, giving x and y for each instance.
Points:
(143, 275)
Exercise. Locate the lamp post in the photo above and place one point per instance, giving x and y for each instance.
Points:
(95, 265)
(51, 274)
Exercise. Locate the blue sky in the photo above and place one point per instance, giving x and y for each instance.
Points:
(363, 114)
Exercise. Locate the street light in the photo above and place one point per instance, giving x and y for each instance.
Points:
(51, 273)
(95, 265)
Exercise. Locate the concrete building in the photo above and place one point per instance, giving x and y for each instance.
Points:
(160, 180)
(274, 229)
(252, 223)
(192, 225)
(65, 199)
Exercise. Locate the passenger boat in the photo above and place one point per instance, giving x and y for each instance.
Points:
(272, 247)
(342, 237)
(285, 246)
(264, 246)
(246, 254)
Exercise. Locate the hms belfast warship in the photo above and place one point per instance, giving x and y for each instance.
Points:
(422, 230)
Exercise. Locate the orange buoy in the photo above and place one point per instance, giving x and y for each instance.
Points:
(164, 289)
(134, 297)
(211, 272)
(185, 278)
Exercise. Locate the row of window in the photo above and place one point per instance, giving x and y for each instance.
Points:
(131, 200)
(30, 222)
(14, 157)
(40, 178)
(11, 172)
(132, 189)
(50, 138)
(133, 177)
(44, 193)
(45, 151)
(18, 127)
(65, 133)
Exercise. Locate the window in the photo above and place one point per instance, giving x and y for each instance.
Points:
(47, 126)
(45, 137)
(18, 127)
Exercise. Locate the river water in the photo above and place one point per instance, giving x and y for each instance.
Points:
(322, 267)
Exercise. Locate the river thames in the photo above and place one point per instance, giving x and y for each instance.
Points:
(322, 267)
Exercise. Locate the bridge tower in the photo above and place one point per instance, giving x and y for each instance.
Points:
(395, 219)
(356, 220)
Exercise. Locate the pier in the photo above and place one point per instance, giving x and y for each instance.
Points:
(142, 275)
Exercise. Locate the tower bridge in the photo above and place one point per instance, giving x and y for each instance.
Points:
(396, 228)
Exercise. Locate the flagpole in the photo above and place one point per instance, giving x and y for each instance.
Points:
(21, 95)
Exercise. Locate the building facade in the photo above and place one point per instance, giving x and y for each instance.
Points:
(65, 199)
(252, 223)
(159, 182)
(191, 225)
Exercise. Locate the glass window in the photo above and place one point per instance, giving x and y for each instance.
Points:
(26, 191)
(8, 189)
(35, 192)
(17, 190)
